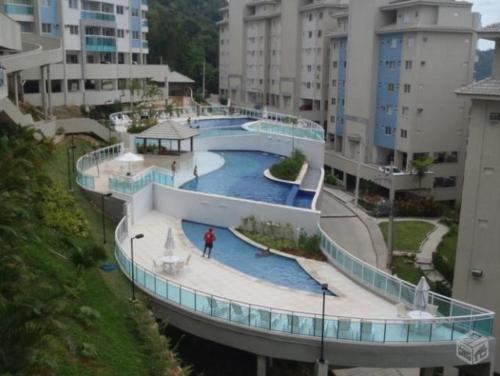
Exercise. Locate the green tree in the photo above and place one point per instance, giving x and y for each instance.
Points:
(421, 166)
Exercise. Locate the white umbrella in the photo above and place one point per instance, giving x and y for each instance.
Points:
(129, 158)
(169, 244)
(421, 294)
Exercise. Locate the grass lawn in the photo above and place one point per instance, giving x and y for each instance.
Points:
(406, 269)
(120, 350)
(408, 235)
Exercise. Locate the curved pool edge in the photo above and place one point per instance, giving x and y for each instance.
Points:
(298, 259)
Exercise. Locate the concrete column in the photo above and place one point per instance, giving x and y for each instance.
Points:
(426, 371)
(49, 84)
(16, 89)
(43, 91)
(321, 368)
(261, 365)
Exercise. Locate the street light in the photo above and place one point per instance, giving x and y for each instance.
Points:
(138, 236)
(103, 196)
(70, 175)
(324, 287)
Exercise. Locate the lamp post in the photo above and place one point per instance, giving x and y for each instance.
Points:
(73, 147)
(70, 175)
(324, 287)
(103, 196)
(138, 236)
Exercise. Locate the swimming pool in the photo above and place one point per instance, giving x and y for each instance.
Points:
(237, 254)
(221, 127)
(242, 176)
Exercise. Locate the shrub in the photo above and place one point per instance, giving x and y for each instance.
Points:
(443, 266)
(223, 101)
(87, 257)
(59, 211)
(289, 168)
(60, 130)
(330, 179)
(418, 207)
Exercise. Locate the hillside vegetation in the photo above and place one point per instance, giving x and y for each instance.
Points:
(59, 314)
(184, 33)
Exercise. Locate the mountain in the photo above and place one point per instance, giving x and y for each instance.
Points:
(483, 64)
(184, 33)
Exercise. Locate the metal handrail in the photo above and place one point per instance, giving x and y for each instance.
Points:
(282, 320)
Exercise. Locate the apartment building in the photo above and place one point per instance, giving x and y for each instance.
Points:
(104, 46)
(273, 53)
(477, 266)
(393, 66)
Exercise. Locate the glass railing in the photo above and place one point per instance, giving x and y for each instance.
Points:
(145, 22)
(94, 159)
(90, 15)
(300, 323)
(24, 9)
(292, 130)
(2, 77)
(145, 44)
(100, 44)
(132, 185)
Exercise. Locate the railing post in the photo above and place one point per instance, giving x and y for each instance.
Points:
(385, 330)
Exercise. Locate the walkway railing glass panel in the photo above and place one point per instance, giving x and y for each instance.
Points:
(94, 159)
(308, 324)
(132, 185)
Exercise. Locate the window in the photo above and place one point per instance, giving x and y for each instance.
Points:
(335, 65)
(46, 28)
(121, 58)
(308, 85)
(390, 87)
(318, 86)
(319, 33)
(405, 111)
(73, 85)
(404, 133)
(310, 17)
(135, 34)
(422, 63)
(446, 157)
(388, 131)
(119, 9)
(407, 88)
(71, 57)
(310, 34)
(122, 84)
(388, 110)
(408, 64)
(391, 65)
(73, 4)
(425, 39)
(334, 83)
(135, 12)
(332, 119)
(120, 33)
(394, 43)
(445, 182)
(495, 116)
(410, 42)
(73, 29)
(45, 3)
(334, 101)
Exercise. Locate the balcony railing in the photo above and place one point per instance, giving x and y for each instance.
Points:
(145, 22)
(22, 9)
(100, 44)
(100, 16)
(145, 44)
(460, 318)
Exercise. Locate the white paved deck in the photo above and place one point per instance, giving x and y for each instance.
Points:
(206, 162)
(210, 276)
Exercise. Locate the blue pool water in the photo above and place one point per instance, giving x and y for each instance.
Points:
(242, 176)
(237, 254)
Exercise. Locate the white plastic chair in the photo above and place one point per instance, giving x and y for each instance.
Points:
(432, 309)
(157, 267)
(179, 265)
(401, 307)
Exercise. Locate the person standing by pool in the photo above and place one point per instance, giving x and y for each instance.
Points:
(173, 167)
(195, 172)
(209, 238)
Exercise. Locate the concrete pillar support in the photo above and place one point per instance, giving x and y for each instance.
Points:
(43, 91)
(49, 85)
(261, 365)
(321, 368)
(16, 89)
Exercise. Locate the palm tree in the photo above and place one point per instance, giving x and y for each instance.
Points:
(421, 167)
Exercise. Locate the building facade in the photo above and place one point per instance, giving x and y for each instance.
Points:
(477, 266)
(378, 75)
(273, 54)
(104, 46)
(393, 68)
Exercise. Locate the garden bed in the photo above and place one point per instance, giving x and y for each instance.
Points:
(289, 169)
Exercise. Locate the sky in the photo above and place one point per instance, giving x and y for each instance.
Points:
(490, 12)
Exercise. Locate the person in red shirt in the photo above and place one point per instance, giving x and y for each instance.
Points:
(209, 238)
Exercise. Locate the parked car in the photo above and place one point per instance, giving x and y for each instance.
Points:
(387, 170)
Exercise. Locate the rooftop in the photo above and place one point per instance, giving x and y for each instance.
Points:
(169, 130)
(488, 87)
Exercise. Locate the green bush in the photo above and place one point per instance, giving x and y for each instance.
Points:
(418, 207)
(443, 266)
(289, 168)
(59, 211)
(330, 179)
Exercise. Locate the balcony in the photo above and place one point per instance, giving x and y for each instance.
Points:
(145, 44)
(145, 22)
(22, 9)
(100, 44)
(145, 2)
(100, 16)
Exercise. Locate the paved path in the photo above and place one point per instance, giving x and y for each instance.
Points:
(352, 228)
(311, 180)
(213, 277)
